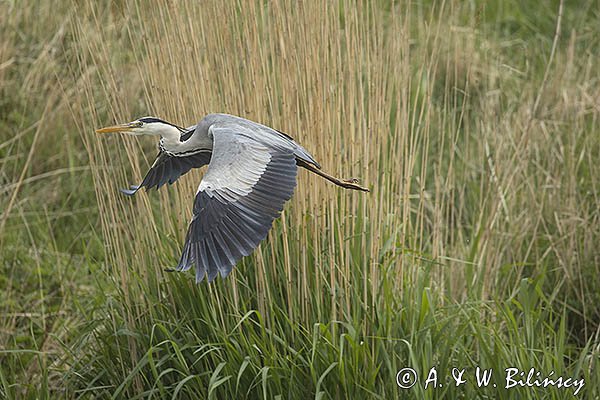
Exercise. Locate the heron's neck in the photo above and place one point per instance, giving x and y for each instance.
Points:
(170, 137)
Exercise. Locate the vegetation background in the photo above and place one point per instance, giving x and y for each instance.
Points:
(475, 124)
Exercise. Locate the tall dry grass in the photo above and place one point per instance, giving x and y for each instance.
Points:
(467, 159)
(45, 211)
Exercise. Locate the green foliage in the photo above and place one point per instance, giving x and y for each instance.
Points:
(475, 248)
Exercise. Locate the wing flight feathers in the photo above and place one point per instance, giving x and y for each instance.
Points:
(244, 189)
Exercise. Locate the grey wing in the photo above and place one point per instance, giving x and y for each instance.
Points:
(244, 189)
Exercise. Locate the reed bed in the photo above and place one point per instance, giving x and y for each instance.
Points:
(475, 129)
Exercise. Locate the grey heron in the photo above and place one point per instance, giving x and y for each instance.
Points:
(251, 174)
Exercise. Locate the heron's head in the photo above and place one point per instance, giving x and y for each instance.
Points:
(144, 126)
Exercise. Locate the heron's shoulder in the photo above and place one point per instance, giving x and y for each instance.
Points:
(222, 118)
(233, 120)
(251, 130)
(236, 125)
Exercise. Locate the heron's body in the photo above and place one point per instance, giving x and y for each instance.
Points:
(180, 143)
(251, 174)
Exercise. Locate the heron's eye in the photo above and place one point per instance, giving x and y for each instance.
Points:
(139, 124)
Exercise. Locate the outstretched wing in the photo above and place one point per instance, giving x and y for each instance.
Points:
(243, 191)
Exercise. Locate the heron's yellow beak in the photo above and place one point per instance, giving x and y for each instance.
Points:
(117, 128)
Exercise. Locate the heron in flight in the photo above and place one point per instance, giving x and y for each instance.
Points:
(251, 174)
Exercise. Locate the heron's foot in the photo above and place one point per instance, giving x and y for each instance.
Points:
(170, 270)
(345, 183)
(352, 183)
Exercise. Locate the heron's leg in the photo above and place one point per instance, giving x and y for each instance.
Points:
(345, 183)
